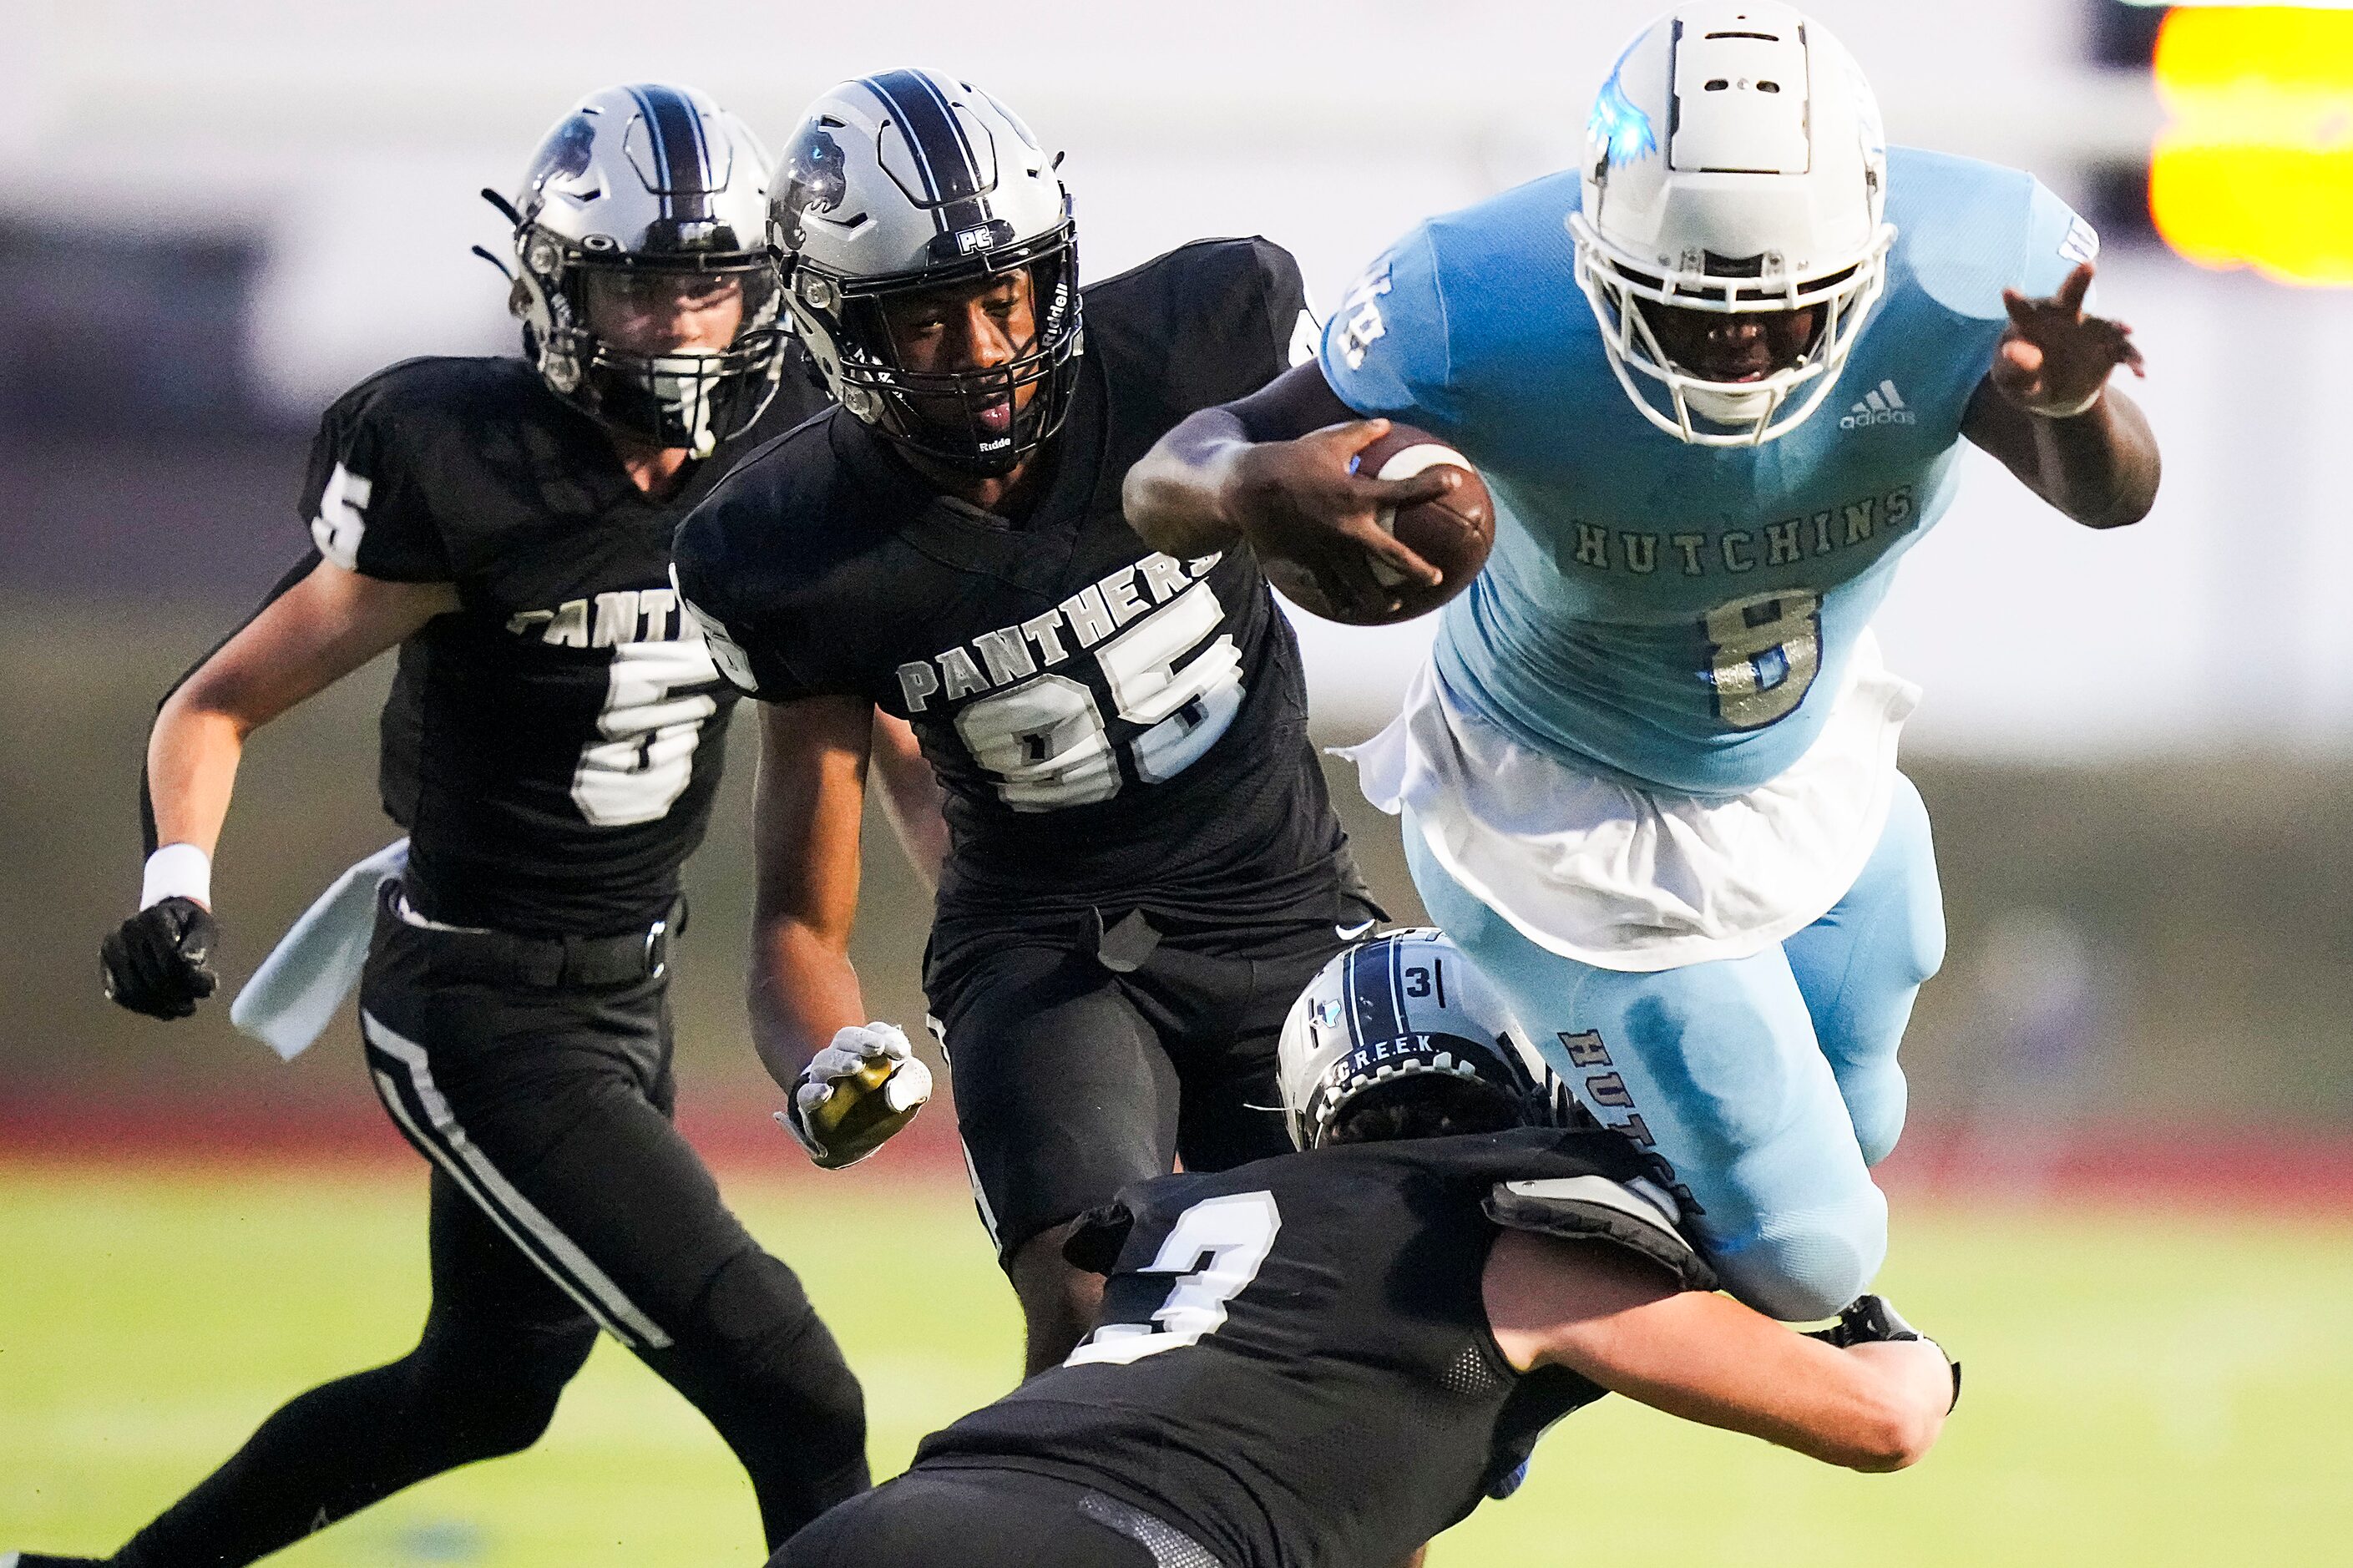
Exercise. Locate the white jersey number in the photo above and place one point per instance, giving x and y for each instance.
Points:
(1045, 738)
(1763, 653)
(1216, 1249)
(643, 757)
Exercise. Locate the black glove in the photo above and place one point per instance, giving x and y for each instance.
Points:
(160, 961)
(1869, 1319)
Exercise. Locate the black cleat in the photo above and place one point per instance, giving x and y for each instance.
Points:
(42, 1559)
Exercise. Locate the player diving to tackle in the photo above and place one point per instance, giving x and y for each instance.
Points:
(1327, 1357)
(1144, 866)
(552, 744)
(1648, 779)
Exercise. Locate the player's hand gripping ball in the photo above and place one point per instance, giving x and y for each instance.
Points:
(1454, 534)
(855, 1094)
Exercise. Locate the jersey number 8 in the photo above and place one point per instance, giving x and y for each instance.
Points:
(1763, 653)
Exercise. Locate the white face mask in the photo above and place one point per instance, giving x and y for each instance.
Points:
(683, 385)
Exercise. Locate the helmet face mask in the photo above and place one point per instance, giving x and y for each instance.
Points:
(905, 186)
(1400, 1035)
(1764, 203)
(644, 194)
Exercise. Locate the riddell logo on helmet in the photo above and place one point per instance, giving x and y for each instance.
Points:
(1879, 406)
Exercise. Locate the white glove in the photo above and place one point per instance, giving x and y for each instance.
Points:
(855, 1094)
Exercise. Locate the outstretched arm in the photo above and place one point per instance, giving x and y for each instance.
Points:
(306, 638)
(1272, 469)
(1626, 1325)
(2046, 410)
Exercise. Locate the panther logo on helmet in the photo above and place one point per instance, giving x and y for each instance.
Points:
(564, 155)
(812, 181)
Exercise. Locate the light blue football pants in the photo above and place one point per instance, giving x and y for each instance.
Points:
(1769, 1082)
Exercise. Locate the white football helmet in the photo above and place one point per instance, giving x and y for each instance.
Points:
(913, 180)
(1406, 1016)
(648, 179)
(1735, 165)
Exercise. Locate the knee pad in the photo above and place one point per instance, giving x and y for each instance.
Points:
(1800, 1268)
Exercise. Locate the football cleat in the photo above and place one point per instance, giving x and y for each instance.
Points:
(1870, 1320)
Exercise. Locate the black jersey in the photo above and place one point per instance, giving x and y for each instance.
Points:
(1295, 1363)
(1107, 722)
(552, 746)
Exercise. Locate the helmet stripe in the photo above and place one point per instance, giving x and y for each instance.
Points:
(943, 157)
(682, 157)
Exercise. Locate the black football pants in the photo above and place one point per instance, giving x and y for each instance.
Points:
(562, 1202)
(978, 1518)
(1080, 1067)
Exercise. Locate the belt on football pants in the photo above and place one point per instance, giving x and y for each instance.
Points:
(505, 958)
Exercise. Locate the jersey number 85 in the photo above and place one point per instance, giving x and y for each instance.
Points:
(1046, 740)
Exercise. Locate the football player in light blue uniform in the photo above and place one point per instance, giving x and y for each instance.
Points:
(1716, 380)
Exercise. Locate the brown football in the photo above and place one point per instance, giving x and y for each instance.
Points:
(1453, 535)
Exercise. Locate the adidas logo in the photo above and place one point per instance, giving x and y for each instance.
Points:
(1883, 406)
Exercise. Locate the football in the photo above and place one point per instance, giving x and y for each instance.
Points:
(1452, 534)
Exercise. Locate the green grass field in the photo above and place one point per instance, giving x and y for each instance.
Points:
(2142, 1389)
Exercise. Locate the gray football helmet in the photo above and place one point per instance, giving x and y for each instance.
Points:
(637, 180)
(909, 181)
(1404, 1015)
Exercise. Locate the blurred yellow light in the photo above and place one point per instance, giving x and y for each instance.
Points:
(2257, 167)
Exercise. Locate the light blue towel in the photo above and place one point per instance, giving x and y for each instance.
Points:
(294, 995)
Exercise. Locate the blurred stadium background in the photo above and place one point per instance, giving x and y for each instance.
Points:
(2127, 1192)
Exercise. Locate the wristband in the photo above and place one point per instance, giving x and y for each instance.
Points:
(2074, 410)
(177, 871)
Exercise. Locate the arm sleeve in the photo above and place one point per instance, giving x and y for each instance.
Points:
(361, 498)
(743, 645)
(2057, 241)
(1384, 350)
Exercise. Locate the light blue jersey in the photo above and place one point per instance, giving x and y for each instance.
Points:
(1684, 615)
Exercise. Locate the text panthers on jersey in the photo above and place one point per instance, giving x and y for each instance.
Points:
(552, 746)
(1107, 721)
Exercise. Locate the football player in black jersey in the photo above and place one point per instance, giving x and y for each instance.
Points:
(1327, 1357)
(1144, 864)
(552, 745)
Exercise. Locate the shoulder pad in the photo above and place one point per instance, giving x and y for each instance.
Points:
(1596, 1208)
